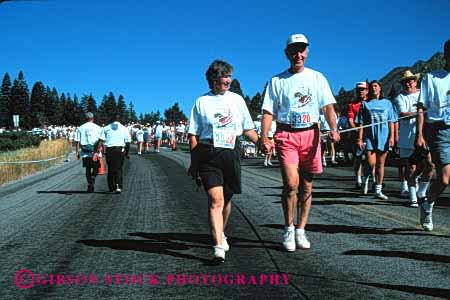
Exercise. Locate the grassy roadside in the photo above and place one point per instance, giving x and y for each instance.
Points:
(46, 150)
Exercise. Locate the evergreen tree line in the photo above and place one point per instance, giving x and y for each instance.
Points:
(45, 106)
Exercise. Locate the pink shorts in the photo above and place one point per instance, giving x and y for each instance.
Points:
(302, 148)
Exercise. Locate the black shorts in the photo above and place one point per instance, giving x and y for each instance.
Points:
(220, 167)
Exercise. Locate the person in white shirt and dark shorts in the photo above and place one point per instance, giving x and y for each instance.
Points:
(217, 119)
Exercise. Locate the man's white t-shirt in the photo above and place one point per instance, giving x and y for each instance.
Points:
(88, 134)
(115, 135)
(219, 111)
(407, 129)
(435, 96)
(297, 99)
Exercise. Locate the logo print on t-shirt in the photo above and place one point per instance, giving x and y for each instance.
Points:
(224, 120)
(303, 99)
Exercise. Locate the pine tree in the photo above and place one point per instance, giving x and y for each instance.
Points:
(122, 109)
(37, 105)
(131, 113)
(54, 114)
(235, 87)
(20, 101)
(88, 104)
(78, 114)
(255, 106)
(5, 95)
(174, 114)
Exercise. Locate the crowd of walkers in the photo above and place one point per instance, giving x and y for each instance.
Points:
(298, 124)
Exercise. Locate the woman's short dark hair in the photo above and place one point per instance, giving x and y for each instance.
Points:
(217, 69)
(370, 95)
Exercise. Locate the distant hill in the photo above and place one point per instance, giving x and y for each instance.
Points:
(390, 82)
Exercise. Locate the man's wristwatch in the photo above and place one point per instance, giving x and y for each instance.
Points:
(334, 129)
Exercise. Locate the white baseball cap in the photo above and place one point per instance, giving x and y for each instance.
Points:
(297, 38)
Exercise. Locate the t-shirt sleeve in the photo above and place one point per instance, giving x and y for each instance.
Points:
(426, 93)
(326, 96)
(399, 105)
(195, 124)
(247, 122)
(392, 116)
(270, 99)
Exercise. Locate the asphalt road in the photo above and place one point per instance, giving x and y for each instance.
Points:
(152, 241)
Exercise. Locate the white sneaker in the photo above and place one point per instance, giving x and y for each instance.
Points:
(404, 194)
(413, 203)
(426, 215)
(265, 163)
(289, 240)
(301, 240)
(381, 196)
(269, 163)
(324, 162)
(218, 254)
(225, 245)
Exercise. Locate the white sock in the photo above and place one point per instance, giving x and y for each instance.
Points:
(359, 179)
(374, 179)
(289, 228)
(423, 187)
(378, 188)
(300, 231)
(412, 193)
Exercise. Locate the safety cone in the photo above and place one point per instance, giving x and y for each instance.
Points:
(101, 170)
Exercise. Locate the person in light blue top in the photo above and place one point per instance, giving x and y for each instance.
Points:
(157, 136)
(377, 139)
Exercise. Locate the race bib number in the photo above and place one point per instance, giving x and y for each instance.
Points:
(300, 119)
(224, 138)
(446, 115)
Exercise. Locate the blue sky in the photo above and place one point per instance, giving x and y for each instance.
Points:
(155, 53)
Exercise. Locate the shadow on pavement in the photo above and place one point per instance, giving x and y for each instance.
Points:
(71, 192)
(418, 290)
(332, 229)
(401, 254)
(173, 244)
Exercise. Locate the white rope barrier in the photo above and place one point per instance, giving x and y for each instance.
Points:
(31, 161)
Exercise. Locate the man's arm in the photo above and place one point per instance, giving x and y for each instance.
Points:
(252, 135)
(420, 141)
(330, 116)
(266, 123)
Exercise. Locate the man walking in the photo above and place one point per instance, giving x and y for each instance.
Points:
(86, 139)
(295, 98)
(117, 140)
(434, 101)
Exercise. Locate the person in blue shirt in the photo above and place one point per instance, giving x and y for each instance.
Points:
(377, 139)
